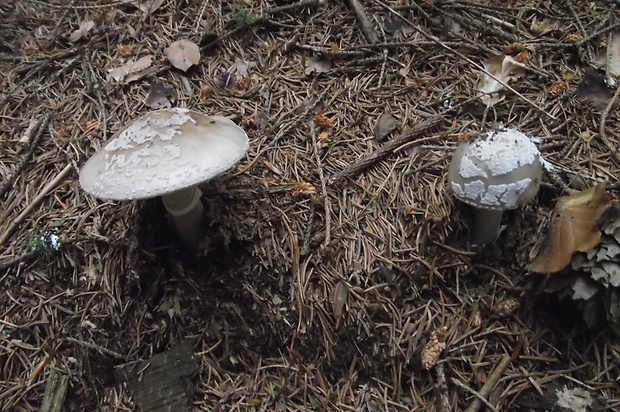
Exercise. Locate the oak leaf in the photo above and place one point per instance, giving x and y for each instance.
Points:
(573, 228)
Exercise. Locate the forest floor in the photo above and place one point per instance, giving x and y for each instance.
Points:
(336, 274)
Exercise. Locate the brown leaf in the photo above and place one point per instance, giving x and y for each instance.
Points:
(183, 54)
(504, 68)
(573, 228)
(341, 293)
(384, 126)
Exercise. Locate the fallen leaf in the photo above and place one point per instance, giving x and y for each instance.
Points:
(161, 95)
(183, 54)
(318, 65)
(384, 126)
(82, 30)
(341, 294)
(504, 68)
(573, 228)
(120, 73)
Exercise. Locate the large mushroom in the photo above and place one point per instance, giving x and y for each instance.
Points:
(166, 153)
(492, 172)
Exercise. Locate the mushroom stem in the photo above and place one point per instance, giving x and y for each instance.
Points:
(486, 226)
(187, 213)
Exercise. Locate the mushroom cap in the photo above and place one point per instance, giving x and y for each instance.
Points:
(162, 152)
(497, 170)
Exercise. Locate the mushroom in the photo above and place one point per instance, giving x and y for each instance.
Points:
(492, 172)
(166, 153)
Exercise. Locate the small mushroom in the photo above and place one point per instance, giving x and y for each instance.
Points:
(166, 153)
(492, 172)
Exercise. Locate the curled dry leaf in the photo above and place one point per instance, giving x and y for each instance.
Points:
(134, 66)
(82, 30)
(433, 348)
(504, 68)
(183, 54)
(573, 228)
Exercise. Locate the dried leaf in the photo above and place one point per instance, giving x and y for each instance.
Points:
(160, 96)
(341, 294)
(433, 348)
(504, 68)
(120, 73)
(573, 228)
(384, 126)
(318, 65)
(82, 30)
(183, 54)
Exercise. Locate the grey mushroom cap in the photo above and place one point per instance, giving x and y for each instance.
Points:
(496, 170)
(162, 152)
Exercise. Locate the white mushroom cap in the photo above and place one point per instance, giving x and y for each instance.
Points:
(496, 170)
(162, 152)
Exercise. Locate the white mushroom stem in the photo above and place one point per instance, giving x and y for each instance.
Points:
(187, 213)
(486, 226)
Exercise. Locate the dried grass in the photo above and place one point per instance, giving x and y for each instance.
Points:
(283, 235)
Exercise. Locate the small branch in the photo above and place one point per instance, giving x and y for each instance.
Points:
(365, 23)
(489, 385)
(97, 348)
(388, 148)
(319, 165)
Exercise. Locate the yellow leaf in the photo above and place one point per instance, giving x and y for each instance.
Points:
(573, 228)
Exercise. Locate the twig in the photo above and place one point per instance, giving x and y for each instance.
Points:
(442, 389)
(319, 165)
(489, 385)
(365, 23)
(97, 348)
(478, 398)
(463, 57)
(388, 148)
(48, 188)
(36, 131)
